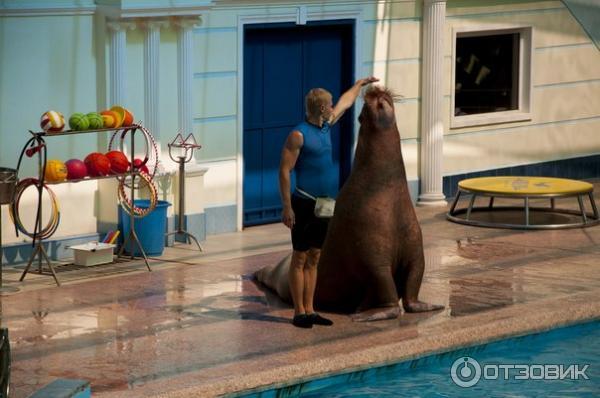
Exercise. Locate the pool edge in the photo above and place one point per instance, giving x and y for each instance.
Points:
(452, 334)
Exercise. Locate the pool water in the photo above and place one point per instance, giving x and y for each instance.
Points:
(430, 376)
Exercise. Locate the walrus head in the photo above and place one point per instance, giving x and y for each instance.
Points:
(378, 110)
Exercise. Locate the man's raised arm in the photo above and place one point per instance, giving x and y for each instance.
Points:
(348, 98)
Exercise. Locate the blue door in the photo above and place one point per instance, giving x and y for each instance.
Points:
(281, 63)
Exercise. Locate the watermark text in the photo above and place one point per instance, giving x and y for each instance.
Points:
(466, 372)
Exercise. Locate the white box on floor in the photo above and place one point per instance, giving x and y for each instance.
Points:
(93, 253)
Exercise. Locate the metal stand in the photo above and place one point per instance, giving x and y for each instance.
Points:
(38, 248)
(132, 237)
(4, 361)
(587, 219)
(188, 145)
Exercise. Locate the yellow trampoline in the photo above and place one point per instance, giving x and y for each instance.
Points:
(524, 188)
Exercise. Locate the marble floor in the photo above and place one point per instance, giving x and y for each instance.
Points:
(197, 325)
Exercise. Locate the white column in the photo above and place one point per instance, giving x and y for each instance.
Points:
(118, 60)
(185, 50)
(151, 76)
(432, 125)
(107, 216)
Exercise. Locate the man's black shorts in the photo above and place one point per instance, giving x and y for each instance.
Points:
(308, 231)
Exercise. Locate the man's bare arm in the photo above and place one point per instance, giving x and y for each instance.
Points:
(347, 99)
(289, 156)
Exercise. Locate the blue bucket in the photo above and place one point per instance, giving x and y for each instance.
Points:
(150, 230)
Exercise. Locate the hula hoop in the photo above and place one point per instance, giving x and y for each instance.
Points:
(149, 143)
(35, 145)
(125, 201)
(52, 225)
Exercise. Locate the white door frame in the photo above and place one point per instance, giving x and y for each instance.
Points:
(300, 17)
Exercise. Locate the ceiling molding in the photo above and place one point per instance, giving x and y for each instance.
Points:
(124, 9)
(13, 8)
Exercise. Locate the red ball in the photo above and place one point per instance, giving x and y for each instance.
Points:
(139, 165)
(97, 164)
(76, 169)
(118, 162)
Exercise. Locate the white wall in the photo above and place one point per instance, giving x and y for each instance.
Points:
(565, 96)
(48, 62)
(60, 61)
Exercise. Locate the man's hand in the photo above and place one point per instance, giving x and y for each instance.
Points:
(288, 217)
(367, 80)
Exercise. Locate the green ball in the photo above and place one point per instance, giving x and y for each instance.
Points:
(95, 120)
(78, 121)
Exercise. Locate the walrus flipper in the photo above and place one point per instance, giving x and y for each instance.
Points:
(276, 278)
(376, 314)
(420, 306)
(381, 301)
(408, 280)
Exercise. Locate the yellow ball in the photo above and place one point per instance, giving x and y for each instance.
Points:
(56, 171)
(108, 119)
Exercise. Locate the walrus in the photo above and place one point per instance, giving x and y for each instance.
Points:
(373, 251)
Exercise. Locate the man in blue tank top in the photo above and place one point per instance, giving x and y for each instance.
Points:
(308, 151)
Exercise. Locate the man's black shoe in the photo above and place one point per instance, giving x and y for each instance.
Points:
(302, 321)
(317, 319)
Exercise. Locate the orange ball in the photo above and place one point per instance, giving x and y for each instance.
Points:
(124, 114)
(128, 121)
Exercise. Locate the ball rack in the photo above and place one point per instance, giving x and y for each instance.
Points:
(186, 147)
(38, 248)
